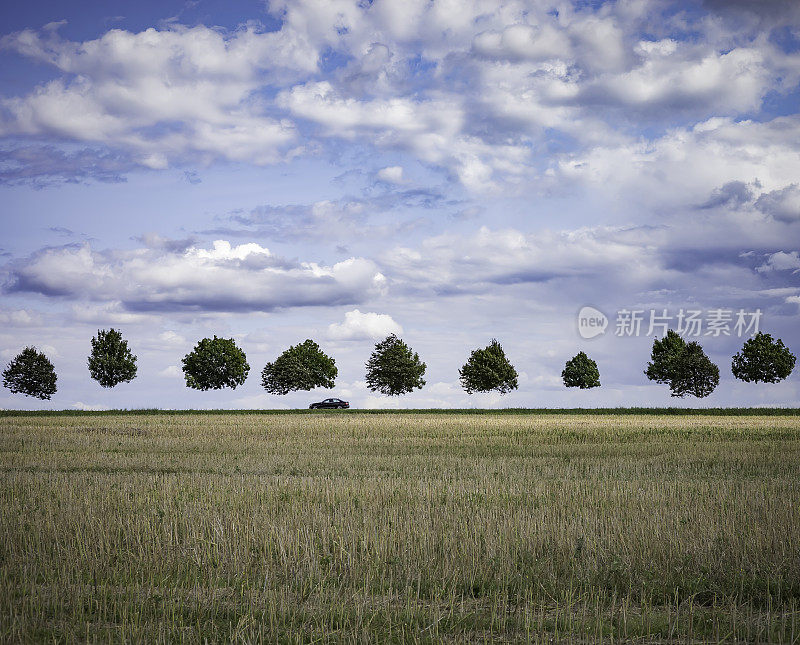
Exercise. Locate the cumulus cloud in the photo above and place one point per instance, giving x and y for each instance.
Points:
(452, 263)
(475, 88)
(362, 326)
(783, 204)
(697, 160)
(781, 261)
(159, 94)
(391, 174)
(246, 277)
(19, 318)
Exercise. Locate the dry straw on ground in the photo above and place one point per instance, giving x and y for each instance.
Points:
(418, 527)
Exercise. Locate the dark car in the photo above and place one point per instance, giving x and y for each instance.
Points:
(329, 403)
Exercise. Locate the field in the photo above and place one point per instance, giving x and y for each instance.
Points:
(400, 527)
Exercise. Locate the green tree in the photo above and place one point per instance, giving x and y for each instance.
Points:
(581, 371)
(762, 359)
(488, 369)
(215, 363)
(694, 373)
(111, 362)
(31, 373)
(663, 357)
(301, 367)
(393, 368)
(683, 366)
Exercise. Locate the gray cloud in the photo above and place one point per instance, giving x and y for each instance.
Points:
(783, 204)
(732, 195)
(336, 220)
(162, 277)
(41, 166)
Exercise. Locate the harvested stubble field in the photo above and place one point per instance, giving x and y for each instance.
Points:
(404, 527)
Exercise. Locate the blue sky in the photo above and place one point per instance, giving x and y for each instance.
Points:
(449, 171)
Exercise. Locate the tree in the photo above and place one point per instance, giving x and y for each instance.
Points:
(215, 363)
(762, 359)
(111, 362)
(393, 368)
(663, 356)
(31, 373)
(581, 371)
(683, 366)
(694, 373)
(301, 367)
(488, 369)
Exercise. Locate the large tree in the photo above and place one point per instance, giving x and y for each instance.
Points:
(111, 362)
(683, 366)
(393, 368)
(581, 371)
(301, 367)
(488, 369)
(762, 359)
(694, 374)
(663, 357)
(215, 363)
(31, 373)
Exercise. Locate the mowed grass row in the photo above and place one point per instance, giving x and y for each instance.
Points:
(417, 527)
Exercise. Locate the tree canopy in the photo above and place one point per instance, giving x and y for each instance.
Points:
(488, 369)
(763, 359)
(215, 363)
(393, 368)
(301, 367)
(663, 356)
(683, 366)
(581, 371)
(31, 373)
(111, 362)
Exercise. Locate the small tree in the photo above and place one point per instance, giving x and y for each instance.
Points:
(762, 359)
(31, 373)
(301, 367)
(488, 369)
(215, 363)
(393, 368)
(581, 371)
(111, 362)
(694, 373)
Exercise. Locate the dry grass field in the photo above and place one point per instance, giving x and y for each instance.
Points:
(399, 528)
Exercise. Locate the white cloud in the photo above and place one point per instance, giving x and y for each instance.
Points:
(524, 42)
(781, 261)
(472, 87)
(223, 278)
(697, 159)
(109, 313)
(130, 90)
(782, 204)
(391, 174)
(80, 405)
(171, 338)
(452, 263)
(362, 326)
(19, 318)
(172, 371)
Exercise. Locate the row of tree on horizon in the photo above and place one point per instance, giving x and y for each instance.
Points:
(394, 368)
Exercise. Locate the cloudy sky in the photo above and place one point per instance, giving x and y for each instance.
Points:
(448, 170)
